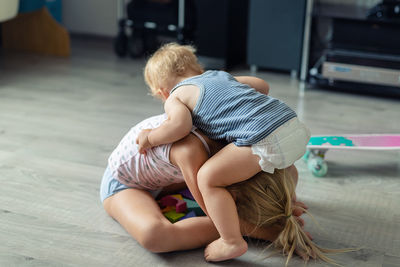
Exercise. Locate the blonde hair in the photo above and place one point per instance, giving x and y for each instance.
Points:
(266, 200)
(169, 61)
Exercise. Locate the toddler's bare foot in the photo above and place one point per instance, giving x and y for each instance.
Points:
(220, 250)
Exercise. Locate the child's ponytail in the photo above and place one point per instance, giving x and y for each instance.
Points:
(266, 200)
(293, 238)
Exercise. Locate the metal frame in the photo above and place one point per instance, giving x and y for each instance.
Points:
(306, 40)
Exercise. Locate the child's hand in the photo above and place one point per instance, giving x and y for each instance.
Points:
(298, 206)
(143, 141)
(298, 210)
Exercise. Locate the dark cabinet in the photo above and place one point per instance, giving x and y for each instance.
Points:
(221, 32)
(275, 34)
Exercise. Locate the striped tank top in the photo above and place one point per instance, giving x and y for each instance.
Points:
(235, 112)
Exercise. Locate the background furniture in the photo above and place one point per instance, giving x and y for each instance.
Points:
(8, 9)
(141, 22)
(36, 29)
(221, 32)
(218, 29)
(276, 34)
(54, 7)
(356, 47)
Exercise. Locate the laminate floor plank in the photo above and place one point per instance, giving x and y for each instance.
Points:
(61, 118)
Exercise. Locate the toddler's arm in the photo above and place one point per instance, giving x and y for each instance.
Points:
(177, 126)
(259, 84)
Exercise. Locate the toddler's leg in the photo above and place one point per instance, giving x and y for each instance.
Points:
(230, 165)
(189, 155)
(140, 216)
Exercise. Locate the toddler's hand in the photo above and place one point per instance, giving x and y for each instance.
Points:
(143, 141)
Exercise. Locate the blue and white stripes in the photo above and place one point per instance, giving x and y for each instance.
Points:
(235, 112)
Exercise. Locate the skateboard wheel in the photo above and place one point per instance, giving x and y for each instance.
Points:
(318, 167)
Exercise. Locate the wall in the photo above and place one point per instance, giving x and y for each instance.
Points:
(366, 3)
(96, 17)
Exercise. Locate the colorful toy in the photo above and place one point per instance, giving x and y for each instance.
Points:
(188, 215)
(319, 145)
(169, 200)
(193, 206)
(174, 216)
(181, 206)
(178, 196)
(174, 207)
(166, 209)
(186, 194)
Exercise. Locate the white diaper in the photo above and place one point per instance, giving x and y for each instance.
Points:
(283, 146)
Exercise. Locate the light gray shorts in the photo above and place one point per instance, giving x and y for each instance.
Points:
(110, 186)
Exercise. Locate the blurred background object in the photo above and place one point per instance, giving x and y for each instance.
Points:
(142, 22)
(218, 29)
(8, 9)
(37, 29)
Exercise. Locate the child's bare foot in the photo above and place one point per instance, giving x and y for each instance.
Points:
(220, 250)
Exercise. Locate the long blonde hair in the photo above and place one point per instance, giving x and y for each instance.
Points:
(266, 200)
(169, 61)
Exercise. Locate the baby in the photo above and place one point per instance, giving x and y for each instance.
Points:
(263, 133)
(131, 181)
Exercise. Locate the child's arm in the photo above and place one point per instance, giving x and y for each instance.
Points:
(177, 126)
(259, 84)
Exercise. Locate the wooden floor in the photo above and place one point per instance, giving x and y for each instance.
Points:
(61, 118)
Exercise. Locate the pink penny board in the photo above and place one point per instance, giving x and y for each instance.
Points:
(356, 141)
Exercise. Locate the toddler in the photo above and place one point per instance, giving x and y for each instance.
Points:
(263, 133)
(131, 181)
